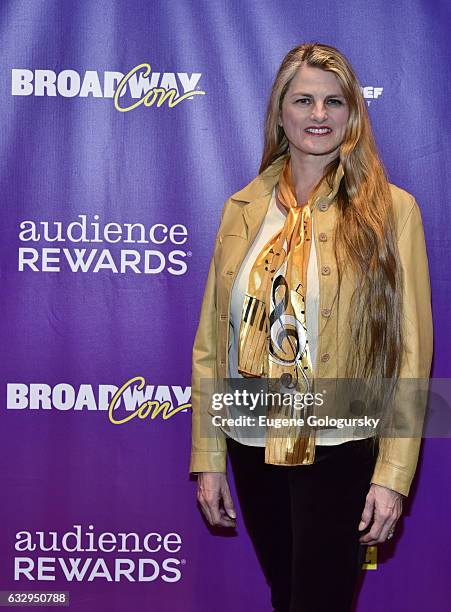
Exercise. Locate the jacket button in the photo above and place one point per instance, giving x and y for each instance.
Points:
(325, 312)
(222, 362)
(325, 270)
(323, 205)
(325, 357)
(287, 380)
(223, 317)
(323, 237)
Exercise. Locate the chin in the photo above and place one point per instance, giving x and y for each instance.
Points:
(320, 149)
(317, 150)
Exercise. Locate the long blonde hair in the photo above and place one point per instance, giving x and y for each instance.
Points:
(364, 234)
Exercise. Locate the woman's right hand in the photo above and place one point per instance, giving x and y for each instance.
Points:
(212, 488)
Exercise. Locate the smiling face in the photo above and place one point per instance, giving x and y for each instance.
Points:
(314, 114)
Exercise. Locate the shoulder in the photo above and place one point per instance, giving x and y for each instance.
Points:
(405, 208)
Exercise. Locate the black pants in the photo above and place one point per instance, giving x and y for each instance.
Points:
(303, 522)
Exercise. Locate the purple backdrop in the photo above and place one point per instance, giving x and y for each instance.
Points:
(108, 225)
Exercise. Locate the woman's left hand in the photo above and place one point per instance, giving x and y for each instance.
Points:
(383, 506)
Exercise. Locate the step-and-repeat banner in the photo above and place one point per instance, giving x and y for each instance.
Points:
(125, 125)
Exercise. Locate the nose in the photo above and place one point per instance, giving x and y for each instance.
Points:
(319, 112)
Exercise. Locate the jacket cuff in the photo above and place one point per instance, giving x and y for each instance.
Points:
(392, 476)
(208, 461)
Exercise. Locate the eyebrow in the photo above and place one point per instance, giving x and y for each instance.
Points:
(307, 95)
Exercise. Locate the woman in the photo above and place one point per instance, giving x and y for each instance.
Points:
(319, 272)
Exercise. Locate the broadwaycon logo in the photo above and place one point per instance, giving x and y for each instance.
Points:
(139, 87)
(134, 399)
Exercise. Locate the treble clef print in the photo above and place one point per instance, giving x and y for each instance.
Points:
(282, 327)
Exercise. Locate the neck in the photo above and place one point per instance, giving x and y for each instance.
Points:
(307, 171)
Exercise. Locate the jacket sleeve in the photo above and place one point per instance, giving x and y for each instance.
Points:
(208, 446)
(398, 455)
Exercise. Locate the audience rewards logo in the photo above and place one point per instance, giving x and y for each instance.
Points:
(133, 400)
(140, 86)
(83, 554)
(90, 244)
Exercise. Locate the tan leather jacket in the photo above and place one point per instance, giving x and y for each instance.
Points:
(241, 218)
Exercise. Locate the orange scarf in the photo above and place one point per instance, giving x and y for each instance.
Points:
(273, 332)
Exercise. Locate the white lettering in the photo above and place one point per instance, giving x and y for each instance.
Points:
(126, 571)
(105, 261)
(48, 260)
(130, 259)
(68, 83)
(110, 81)
(28, 257)
(142, 577)
(74, 572)
(24, 541)
(21, 570)
(21, 82)
(91, 85)
(79, 263)
(44, 83)
(16, 396)
(63, 397)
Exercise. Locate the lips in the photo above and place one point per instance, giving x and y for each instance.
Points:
(318, 131)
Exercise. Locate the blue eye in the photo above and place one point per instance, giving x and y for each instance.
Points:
(307, 100)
